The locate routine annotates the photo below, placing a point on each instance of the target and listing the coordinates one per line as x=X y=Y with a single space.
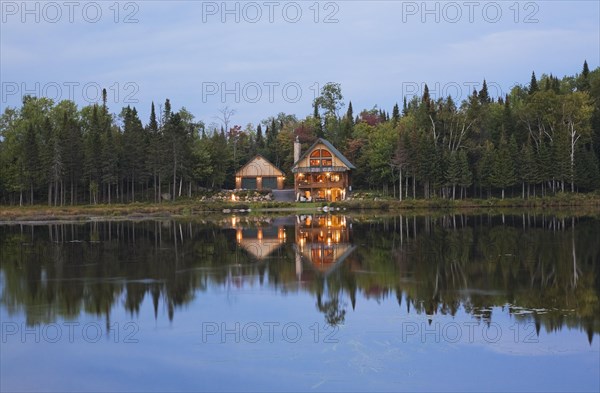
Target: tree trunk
x=154 y=184
x=159 y=190
x=174 y=175
x=400 y=183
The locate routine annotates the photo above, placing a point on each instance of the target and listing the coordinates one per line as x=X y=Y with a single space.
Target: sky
x=265 y=57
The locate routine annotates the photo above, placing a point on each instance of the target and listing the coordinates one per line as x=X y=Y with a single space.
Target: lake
x=312 y=302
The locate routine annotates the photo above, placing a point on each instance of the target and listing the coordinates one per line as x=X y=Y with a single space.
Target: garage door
x=269 y=183
x=249 y=183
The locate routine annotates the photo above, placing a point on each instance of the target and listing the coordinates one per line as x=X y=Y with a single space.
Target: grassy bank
x=555 y=201
x=190 y=208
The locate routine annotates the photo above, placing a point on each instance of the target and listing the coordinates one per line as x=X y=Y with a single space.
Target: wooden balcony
x=319 y=169
x=318 y=184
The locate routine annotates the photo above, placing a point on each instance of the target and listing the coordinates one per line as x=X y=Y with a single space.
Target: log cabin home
x=322 y=173
x=259 y=174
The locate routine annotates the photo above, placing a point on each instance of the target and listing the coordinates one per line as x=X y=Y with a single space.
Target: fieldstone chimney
x=296 y=149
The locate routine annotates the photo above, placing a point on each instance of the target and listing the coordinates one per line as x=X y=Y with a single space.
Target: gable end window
x=321 y=158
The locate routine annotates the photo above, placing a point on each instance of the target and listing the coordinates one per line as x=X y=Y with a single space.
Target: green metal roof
x=329 y=146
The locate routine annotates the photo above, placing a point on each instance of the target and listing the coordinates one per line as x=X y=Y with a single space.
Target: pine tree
x=545 y=165
x=350 y=113
x=556 y=85
x=561 y=159
x=587 y=173
x=466 y=177
x=157 y=156
x=73 y=157
x=583 y=82
x=453 y=173
x=503 y=174
x=110 y=156
x=134 y=147
x=533 y=85
x=485 y=167
x=174 y=132
x=527 y=167
x=260 y=140
x=426 y=99
x=484 y=96
x=92 y=154
x=220 y=159
x=395 y=114
x=31 y=160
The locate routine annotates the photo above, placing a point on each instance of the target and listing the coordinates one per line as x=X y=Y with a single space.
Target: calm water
x=302 y=303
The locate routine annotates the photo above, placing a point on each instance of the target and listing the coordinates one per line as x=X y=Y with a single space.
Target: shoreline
x=185 y=209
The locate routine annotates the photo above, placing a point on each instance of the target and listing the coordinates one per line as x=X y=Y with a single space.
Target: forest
x=539 y=139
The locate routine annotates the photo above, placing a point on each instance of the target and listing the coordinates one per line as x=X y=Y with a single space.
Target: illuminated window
x=321 y=157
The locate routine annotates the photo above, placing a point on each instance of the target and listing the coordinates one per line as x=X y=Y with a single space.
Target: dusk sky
x=262 y=58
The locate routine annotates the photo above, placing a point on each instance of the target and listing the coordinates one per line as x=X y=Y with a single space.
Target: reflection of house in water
x=322 y=241
x=259 y=241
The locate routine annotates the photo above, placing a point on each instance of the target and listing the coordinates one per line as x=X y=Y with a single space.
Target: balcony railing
x=320 y=184
x=319 y=169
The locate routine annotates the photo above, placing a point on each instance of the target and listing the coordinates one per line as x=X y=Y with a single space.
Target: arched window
x=321 y=158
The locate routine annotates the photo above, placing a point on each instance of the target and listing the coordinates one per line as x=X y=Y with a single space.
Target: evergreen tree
x=560 y=159
x=545 y=166
x=533 y=85
x=465 y=178
x=73 y=154
x=260 y=141
x=92 y=154
x=134 y=146
x=484 y=96
x=110 y=157
x=220 y=160
x=503 y=174
x=31 y=160
x=350 y=112
x=453 y=175
x=395 y=114
x=174 y=132
x=583 y=83
x=155 y=156
x=587 y=173
x=527 y=167
x=485 y=167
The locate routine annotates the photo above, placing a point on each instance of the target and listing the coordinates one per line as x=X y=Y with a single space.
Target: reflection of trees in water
x=545 y=268
x=435 y=265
